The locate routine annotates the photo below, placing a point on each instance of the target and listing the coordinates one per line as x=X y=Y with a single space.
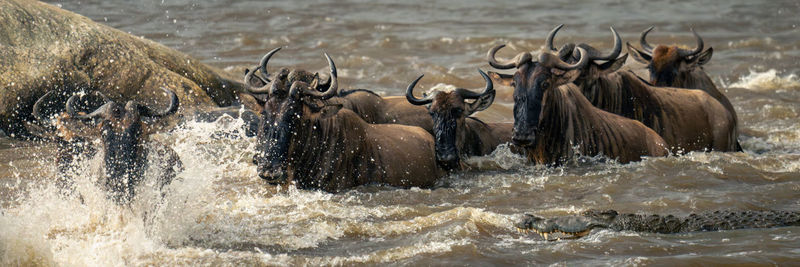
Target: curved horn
x=506 y=64
x=595 y=55
x=70 y=108
x=410 y=94
x=698 y=49
x=264 y=61
x=106 y=99
x=331 y=91
x=248 y=77
x=37 y=107
x=473 y=95
x=551 y=36
x=551 y=60
x=643 y=41
x=173 y=106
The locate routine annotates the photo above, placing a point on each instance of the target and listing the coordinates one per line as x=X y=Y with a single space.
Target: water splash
x=767 y=81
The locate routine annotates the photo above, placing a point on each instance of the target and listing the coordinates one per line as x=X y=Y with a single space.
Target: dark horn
x=698 y=49
x=551 y=36
x=248 y=76
x=594 y=55
x=643 y=41
x=106 y=99
x=173 y=106
x=552 y=60
x=70 y=108
x=264 y=61
x=497 y=64
x=410 y=94
x=37 y=107
x=487 y=89
x=331 y=91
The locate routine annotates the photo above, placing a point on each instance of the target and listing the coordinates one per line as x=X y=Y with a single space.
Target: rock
x=43 y=48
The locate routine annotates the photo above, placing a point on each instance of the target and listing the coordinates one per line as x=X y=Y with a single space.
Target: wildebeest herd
x=574 y=100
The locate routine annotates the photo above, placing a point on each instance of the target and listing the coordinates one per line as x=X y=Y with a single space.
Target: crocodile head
x=567 y=227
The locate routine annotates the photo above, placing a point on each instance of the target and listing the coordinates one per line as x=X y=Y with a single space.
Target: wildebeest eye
x=546 y=84
x=457 y=111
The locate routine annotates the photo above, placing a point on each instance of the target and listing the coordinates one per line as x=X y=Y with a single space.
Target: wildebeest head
x=669 y=65
x=262 y=84
x=53 y=125
x=294 y=97
x=449 y=111
x=531 y=80
x=121 y=130
x=611 y=61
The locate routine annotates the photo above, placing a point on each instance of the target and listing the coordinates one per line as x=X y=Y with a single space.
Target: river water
x=219 y=213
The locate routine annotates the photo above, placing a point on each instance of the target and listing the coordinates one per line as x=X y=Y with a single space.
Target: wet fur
x=688 y=120
x=456 y=133
x=568 y=119
x=344 y=151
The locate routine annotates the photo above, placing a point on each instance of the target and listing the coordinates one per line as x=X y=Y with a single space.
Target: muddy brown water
x=220 y=213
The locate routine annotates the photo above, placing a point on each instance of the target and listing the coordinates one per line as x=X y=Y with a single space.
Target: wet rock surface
x=44 y=48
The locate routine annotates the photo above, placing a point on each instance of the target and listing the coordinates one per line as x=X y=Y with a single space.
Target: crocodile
x=576 y=226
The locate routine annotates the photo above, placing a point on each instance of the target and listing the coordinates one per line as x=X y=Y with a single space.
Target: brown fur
x=473 y=137
x=344 y=151
x=569 y=120
x=664 y=57
x=483 y=138
x=379 y=110
x=689 y=72
x=688 y=120
x=396 y=109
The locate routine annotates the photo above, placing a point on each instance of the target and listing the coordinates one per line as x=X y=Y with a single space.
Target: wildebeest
x=676 y=67
x=125 y=146
x=688 y=120
x=317 y=144
x=552 y=118
x=367 y=104
x=57 y=128
x=455 y=132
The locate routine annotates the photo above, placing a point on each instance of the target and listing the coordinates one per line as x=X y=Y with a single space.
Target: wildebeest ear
x=329 y=111
x=483 y=102
x=613 y=65
x=639 y=55
x=504 y=79
x=251 y=102
x=702 y=58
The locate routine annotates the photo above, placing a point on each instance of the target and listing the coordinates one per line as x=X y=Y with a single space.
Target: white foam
x=767 y=81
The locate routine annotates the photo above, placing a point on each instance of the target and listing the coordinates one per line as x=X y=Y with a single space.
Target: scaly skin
x=575 y=226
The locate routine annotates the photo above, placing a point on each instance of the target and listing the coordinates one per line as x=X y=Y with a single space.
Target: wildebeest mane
x=331 y=146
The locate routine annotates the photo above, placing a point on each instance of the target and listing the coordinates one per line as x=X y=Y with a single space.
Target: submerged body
x=580 y=225
x=349 y=152
x=677 y=67
x=570 y=125
x=457 y=134
x=317 y=144
x=554 y=121
x=368 y=105
x=688 y=120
